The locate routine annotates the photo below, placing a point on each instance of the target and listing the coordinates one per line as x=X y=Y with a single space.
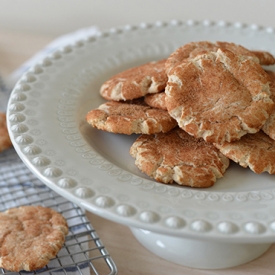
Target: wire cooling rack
x=83 y=252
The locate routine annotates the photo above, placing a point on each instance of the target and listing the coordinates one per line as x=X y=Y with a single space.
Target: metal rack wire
x=83 y=252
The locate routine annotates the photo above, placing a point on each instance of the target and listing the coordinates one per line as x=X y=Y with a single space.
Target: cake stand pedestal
x=201 y=254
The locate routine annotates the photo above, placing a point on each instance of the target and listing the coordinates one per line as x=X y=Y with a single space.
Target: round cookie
x=156 y=100
x=128 y=118
x=193 y=49
x=269 y=126
x=30 y=236
x=256 y=151
x=5 y=141
x=219 y=96
x=136 y=82
x=180 y=158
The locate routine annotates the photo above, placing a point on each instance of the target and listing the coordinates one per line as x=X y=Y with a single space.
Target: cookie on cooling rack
x=269 y=126
x=156 y=100
x=178 y=157
x=130 y=118
x=135 y=82
x=219 y=96
x=193 y=49
x=5 y=141
x=256 y=151
x=30 y=236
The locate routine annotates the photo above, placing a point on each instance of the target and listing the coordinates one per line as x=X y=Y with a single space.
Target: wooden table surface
x=128 y=254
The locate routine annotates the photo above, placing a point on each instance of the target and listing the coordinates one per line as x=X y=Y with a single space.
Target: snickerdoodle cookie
x=30 y=236
x=178 y=157
x=193 y=49
x=135 y=82
x=256 y=151
x=5 y=141
x=219 y=96
x=130 y=118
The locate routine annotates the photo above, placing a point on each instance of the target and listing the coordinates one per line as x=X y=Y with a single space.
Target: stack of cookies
x=205 y=104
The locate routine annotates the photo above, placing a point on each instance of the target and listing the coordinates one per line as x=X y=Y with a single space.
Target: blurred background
x=27 y=26
x=56 y=17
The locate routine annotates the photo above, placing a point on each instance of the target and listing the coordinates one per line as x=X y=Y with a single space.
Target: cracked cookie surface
x=130 y=118
x=135 y=82
x=178 y=157
x=219 y=96
x=256 y=151
x=30 y=236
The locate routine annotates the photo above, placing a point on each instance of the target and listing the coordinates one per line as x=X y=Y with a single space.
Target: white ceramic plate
x=46 y=120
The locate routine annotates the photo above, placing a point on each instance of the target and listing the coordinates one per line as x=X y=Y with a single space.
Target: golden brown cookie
x=219 y=96
x=135 y=82
x=256 y=151
x=193 y=49
x=265 y=58
x=129 y=118
x=156 y=100
x=30 y=236
x=178 y=157
x=269 y=126
x=5 y=141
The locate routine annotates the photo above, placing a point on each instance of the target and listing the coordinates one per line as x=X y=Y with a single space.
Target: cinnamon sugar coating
x=135 y=82
x=30 y=236
x=192 y=49
x=256 y=151
x=178 y=157
x=219 y=96
x=128 y=118
x=156 y=100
